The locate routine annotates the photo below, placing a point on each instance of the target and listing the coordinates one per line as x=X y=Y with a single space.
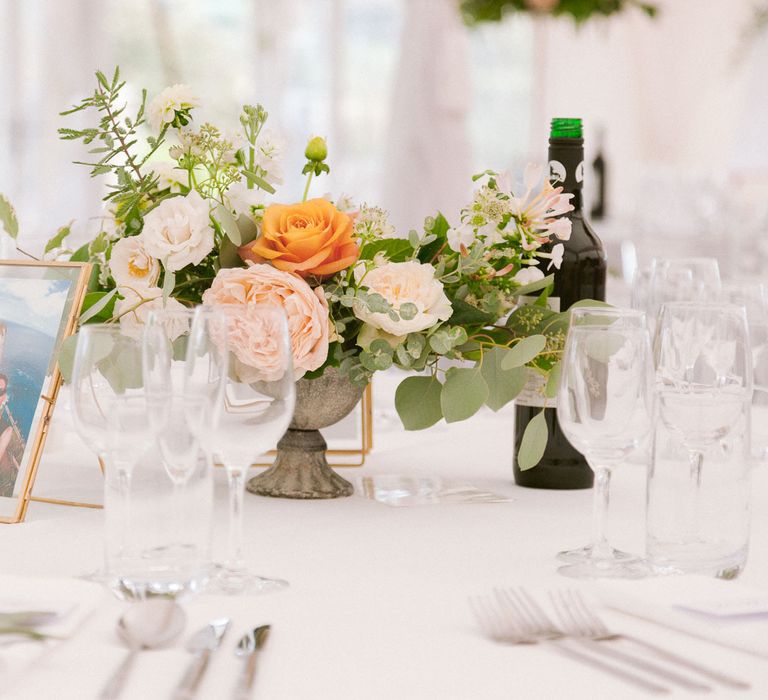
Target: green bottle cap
x=565 y=128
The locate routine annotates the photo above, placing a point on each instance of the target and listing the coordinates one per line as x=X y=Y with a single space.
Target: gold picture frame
x=40 y=303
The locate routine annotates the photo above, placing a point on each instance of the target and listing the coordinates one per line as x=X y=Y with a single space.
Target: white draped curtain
x=412 y=102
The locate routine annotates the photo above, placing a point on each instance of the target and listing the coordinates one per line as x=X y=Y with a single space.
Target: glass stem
x=600 y=547
x=236 y=481
x=695 y=461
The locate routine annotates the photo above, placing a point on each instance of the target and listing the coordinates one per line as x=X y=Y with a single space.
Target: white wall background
x=412 y=102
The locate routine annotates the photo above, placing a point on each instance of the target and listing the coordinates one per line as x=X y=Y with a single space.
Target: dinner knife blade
x=201 y=644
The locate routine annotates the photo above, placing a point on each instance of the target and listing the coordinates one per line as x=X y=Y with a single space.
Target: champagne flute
x=246 y=350
x=753 y=296
x=681 y=279
x=165 y=344
x=603 y=407
x=703 y=381
x=110 y=415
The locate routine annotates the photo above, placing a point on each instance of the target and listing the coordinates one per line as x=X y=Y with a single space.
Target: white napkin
x=71 y=599
x=725 y=612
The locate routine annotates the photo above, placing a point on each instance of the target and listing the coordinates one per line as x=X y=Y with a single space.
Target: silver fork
x=500 y=620
x=579 y=620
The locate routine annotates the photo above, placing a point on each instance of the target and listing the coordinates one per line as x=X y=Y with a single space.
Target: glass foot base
x=606 y=568
x=582 y=554
x=226 y=581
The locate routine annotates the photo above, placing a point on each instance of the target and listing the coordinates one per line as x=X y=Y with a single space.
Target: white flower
x=163 y=108
x=131 y=265
x=406 y=283
x=528 y=275
x=372 y=223
x=169 y=177
x=461 y=238
x=244 y=201
x=538 y=212
x=134 y=311
x=178 y=231
x=268 y=156
x=557 y=256
x=561 y=228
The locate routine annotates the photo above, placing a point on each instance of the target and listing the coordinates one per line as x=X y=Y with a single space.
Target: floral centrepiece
x=193 y=217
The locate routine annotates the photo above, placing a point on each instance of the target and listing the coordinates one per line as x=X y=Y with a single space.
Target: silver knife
x=201 y=644
x=248 y=647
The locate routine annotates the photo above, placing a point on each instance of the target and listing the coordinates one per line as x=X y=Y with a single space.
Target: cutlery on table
x=496 y=623
x=145 y=625
x=580 y=620
x=28 y=618
x=248 y=648
x=201 y=644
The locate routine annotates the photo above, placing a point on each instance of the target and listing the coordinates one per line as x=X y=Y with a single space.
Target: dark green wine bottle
x=581 y=276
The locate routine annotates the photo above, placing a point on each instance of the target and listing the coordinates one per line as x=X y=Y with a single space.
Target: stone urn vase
x=301 y=469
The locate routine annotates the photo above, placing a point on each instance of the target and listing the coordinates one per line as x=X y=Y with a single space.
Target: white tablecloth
x=377 y=607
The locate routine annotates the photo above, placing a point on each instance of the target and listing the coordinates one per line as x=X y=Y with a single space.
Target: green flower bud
x=317 y=149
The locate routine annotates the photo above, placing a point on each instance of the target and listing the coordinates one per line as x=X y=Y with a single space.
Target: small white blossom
x=461 y=238
x=169 y=177
x=557 y=256
x=243 y=200
x=372 y=223
x=528 y=275
x=163 y=108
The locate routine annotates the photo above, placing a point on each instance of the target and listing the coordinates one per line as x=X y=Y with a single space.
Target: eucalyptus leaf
x=553 y=380
x=534 y=442
x=57 y=240
x=228 y=224
x=523 y=351
x=417 y=401
x=228 y=255
x=467 y=314
x=169 y=282
x=394 y=249
x=97 y=302
x=260 y=182
x=535 y=286
x=248 y=230
x=503 y=384
x=8 y=218
x=464 y=392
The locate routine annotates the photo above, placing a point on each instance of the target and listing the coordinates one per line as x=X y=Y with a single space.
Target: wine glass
x=171 y=408
x=753 y=296
x=248 y=349
x=110 y=414
x=681 y=279
x=603 y=407
x=703 y=381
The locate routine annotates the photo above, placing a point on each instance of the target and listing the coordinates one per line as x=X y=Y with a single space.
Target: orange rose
x=309 y=238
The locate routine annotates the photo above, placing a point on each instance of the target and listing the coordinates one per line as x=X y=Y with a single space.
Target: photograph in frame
x=39 y=306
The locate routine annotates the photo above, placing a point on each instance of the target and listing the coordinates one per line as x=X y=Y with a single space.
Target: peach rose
x=307 y=313
x=309 y=238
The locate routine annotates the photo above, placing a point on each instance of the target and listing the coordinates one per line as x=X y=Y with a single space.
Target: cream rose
x=401 y=283
x=178 y=231
x=134 y=310
x=307 y=313
x=131 y=266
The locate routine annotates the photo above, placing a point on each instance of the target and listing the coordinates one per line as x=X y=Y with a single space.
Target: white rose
x=132 y=322
x=169 y=177
x=178 y=231
x=242 y=200
x=176 y=98
x=131 y=265
x=406 y=282
x=528 y=275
